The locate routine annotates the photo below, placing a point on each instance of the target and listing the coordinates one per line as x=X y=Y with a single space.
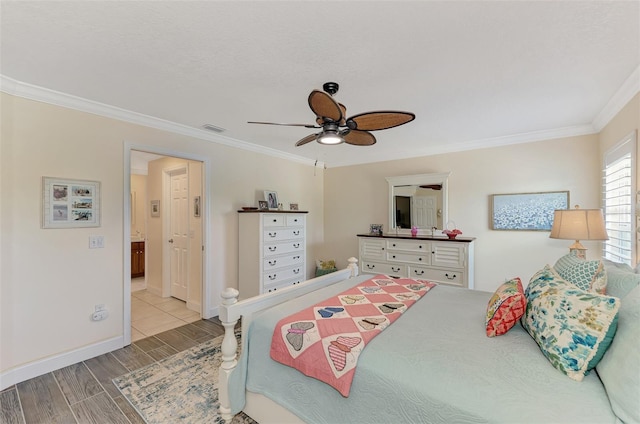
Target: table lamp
x=578 y=224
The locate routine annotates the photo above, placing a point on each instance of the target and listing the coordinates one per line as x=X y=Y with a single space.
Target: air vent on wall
x=213 y=128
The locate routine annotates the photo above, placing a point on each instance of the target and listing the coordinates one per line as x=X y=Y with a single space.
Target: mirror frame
x=418 y=179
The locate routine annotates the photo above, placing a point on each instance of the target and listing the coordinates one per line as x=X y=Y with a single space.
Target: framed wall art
x=68 y=203
x=155 y=208
x=526 y=211
x=196 y=206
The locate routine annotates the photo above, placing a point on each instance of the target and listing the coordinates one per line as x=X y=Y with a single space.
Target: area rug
x=182 y=388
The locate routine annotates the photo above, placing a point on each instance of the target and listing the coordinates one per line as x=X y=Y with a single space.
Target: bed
x=434 y=365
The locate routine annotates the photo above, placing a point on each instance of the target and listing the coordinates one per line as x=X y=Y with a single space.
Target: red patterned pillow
x=505 y=307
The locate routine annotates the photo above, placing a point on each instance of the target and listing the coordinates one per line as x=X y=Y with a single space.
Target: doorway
x=167 y=217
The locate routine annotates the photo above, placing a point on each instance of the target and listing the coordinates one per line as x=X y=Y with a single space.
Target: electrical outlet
x=99 y=315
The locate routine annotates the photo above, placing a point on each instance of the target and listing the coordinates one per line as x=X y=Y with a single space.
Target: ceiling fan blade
x=307 y=139
x=379 y=120
x=359 y=138
x=342 y=122
x=287 y=125
x=324 y=106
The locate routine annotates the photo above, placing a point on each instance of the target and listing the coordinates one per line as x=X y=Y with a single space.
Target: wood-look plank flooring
x=84 y=393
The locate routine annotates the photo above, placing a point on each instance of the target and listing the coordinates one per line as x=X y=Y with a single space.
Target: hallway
x=152 y=314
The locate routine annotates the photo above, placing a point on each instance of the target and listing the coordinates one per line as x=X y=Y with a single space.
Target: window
x=618 y=186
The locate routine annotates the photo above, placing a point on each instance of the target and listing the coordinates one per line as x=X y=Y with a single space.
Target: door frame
x=206 y=304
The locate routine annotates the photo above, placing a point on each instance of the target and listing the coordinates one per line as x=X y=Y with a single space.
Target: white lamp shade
x=578 y=224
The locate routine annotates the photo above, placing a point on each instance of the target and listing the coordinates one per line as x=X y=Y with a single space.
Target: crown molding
x=41 y=94
x=625 y=93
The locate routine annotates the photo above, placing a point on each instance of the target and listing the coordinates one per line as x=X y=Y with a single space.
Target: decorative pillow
x=619 y=368
x=620 y=278
x=505 y=307
x=572 y=327
x=587 y=275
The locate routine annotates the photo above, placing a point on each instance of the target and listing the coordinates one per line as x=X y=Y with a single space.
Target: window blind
x=618 y=190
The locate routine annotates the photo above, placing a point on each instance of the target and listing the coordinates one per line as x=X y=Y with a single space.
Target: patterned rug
x=179 y=389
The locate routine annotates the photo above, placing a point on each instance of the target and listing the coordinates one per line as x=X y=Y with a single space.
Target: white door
x=179 y=233
x=423 y=211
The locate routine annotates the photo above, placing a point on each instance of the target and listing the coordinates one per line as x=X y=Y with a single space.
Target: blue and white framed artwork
x=526 y=211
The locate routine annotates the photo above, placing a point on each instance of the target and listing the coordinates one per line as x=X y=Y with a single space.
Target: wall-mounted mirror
x=418 y=200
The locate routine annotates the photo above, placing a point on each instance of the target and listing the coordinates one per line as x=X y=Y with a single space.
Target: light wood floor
x=84 y=392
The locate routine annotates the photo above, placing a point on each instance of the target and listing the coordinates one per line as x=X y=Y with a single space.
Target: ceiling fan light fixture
x=330 y=137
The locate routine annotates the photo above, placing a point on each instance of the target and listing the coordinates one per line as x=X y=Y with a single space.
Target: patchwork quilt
x=324 y=341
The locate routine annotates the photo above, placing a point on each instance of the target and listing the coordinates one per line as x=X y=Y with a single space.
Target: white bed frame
x=259 y=407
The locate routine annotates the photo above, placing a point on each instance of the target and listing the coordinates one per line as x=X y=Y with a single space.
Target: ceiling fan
x=336 y=128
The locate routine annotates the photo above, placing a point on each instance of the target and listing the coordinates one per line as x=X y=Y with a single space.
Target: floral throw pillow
x=587 y=275
x=505 y=307
x=572 y=327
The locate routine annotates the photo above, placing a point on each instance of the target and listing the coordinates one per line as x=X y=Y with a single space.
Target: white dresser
x=272 y=250
x=435 y=259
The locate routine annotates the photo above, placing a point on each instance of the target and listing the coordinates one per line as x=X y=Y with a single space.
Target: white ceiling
x=475 y=73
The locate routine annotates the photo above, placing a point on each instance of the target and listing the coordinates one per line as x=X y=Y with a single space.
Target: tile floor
x=84 y=392
x=152 y=314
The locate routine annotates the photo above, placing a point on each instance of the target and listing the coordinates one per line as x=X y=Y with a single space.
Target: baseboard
x=37 y=368
x=211 y=312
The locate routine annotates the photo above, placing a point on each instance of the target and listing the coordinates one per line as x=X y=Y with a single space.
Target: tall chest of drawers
x=449 y=262
x=272 y=251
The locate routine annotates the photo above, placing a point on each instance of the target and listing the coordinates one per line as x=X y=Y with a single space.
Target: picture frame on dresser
x=263 y=205
x=272 y=199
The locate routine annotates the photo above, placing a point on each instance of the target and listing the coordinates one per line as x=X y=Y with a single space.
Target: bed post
x=353 y=266
x=229 y=350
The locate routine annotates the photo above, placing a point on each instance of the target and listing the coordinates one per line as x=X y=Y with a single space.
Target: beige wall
x=50 y=280
x=138 y=204
x=564 y=164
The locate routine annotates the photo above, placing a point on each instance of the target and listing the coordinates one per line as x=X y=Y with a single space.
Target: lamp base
x=577 y=249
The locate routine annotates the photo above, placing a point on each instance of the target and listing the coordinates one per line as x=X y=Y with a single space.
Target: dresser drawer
x=277 y=234
x=268 y=288
x=409 y=245
x=371 y=248
x=277 y=276
x=273 y=220
x=444 y=276
x=273 y=249
x=275 y=262
x=412 y=258
x=294 y=220
x=395 y=270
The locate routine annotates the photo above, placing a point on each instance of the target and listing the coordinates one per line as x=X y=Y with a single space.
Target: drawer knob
x=394 y=256
x=394 y=245
x=419 y=259
x=420 y=247
x=275 y=220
